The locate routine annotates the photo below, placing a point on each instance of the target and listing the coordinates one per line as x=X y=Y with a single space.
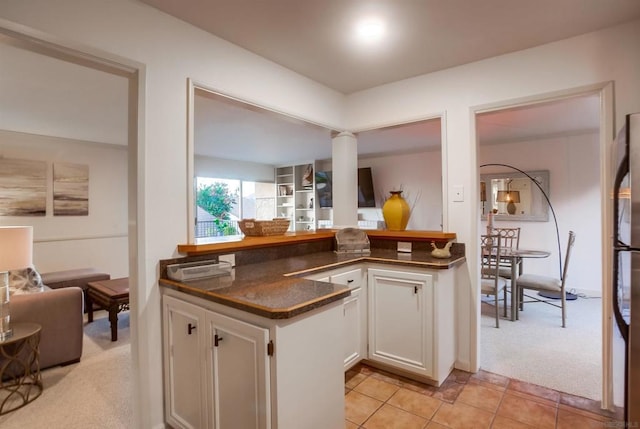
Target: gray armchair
x=60 y=313
x=59 y=310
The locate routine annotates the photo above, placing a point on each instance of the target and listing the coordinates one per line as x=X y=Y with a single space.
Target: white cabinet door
x=184 y=363
x=238 y=374
x=401 y=319
x=355 y=316
x=353 y=334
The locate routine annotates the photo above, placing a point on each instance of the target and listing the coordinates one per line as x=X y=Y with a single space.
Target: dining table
x=515 y=257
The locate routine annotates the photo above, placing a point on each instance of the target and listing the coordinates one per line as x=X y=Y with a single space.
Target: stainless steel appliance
x=626 y=259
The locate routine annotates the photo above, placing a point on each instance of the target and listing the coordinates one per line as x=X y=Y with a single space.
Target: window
x=220 y=203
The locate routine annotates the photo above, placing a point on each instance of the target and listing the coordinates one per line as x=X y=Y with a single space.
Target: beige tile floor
x=376 y=399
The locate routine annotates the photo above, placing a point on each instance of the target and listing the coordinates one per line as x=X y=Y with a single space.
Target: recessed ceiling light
x=370 y=29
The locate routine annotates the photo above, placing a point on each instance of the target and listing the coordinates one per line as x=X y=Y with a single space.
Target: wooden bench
x=113 y=296
x=74 y=278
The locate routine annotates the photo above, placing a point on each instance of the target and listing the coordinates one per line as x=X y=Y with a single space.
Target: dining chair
x=509 y=239
x=548 y=283
x=491 y=283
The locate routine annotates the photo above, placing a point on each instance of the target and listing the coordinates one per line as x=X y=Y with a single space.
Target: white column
x=345 y=180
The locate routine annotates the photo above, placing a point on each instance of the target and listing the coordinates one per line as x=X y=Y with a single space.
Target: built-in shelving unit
x=285 y=194
x=295 y=192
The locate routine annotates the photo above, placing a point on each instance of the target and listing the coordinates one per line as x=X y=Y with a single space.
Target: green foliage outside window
x=216 y=199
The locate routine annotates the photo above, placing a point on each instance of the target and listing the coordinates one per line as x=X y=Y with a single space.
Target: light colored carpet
x=94 y=393
x=538 y=350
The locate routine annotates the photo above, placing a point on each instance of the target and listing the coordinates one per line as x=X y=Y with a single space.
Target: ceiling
x=316 y=37
x=37 y=90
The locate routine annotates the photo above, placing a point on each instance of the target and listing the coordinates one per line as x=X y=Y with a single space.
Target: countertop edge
x=259 y=310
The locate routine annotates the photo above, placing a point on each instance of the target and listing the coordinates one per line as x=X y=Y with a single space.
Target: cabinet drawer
x=352 y=278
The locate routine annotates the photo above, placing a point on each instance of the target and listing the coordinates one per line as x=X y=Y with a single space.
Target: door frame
x=606 y=136
x=135 y=72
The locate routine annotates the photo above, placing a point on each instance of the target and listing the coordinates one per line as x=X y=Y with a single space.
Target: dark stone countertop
x=276 y=289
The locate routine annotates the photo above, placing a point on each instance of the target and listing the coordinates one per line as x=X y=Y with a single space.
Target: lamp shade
x=508 y=196
x=16 y=247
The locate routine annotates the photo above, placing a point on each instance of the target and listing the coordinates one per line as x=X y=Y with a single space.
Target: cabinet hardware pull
x=191 y=328
x=415 y=289
x=216 y=340
x=350 y=281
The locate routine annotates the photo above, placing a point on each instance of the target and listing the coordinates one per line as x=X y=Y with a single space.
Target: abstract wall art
x=70 y=189
x=23 y=187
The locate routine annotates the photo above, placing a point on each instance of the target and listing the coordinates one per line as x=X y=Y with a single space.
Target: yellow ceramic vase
x=396 y=212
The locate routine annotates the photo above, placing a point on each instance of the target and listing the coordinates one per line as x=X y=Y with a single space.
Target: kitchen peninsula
x=293 y=314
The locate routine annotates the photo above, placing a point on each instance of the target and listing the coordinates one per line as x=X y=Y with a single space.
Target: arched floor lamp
x=555 y=221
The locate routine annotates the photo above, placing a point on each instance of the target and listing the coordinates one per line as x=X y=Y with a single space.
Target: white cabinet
x=411 y=320
x=184 y=359
x=400 y=319
x=217 y=369
x=354 y=309
x=227 y=368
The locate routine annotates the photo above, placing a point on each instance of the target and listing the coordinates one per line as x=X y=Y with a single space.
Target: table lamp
x=16 y=249
x=509 y=197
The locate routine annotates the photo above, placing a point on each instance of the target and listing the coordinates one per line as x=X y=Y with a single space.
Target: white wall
x=65 y=242
x=218 y=168
x=419 y=175
x=573 y=165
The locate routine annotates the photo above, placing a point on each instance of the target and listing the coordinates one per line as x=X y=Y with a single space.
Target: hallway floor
x=377 y=399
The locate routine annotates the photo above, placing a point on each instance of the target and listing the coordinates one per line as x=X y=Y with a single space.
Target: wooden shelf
x=204 y=246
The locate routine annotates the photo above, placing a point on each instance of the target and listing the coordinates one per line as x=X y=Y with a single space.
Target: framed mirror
x=514 y=196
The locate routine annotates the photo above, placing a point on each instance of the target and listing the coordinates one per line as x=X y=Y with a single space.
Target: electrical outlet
x=404 y=246
x=230 y=258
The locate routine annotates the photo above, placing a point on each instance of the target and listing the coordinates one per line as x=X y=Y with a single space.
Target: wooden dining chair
x=491 y=283
x=548 y=283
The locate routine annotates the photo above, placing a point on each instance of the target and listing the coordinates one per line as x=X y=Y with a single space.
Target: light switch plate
x=458 y=193
x=404 y=246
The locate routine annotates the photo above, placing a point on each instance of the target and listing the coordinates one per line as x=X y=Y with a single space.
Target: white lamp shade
x=16 y=247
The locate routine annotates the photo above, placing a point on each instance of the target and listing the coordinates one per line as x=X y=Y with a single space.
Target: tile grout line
x=509 y=389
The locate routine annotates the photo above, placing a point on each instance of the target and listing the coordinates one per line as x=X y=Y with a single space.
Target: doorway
x=58 y=105
x=561 y=133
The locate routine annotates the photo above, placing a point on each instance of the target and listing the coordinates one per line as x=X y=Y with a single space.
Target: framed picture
x=23 y=187
x=70 y=189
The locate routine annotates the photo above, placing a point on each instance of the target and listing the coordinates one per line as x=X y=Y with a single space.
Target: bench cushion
x=73 y=278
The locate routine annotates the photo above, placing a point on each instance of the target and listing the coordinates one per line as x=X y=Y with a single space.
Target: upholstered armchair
x=59 y=310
